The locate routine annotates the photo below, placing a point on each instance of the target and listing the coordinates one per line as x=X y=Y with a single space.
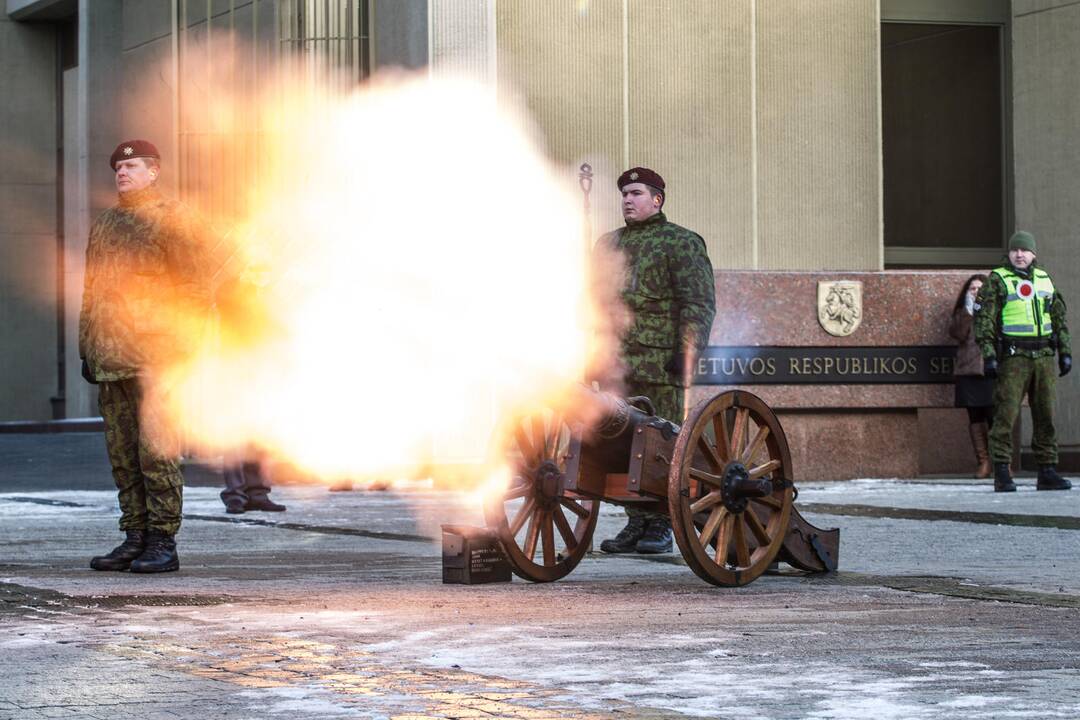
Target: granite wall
x=844 y=431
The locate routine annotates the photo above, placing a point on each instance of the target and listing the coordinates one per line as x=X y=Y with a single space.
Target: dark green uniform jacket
x=992 y=299
x=670 y=292
x=146 y=284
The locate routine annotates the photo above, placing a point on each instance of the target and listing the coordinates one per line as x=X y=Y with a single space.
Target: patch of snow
x=303 y=701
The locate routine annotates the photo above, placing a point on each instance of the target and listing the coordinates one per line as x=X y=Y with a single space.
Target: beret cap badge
x=129 y=150
x=633 y=176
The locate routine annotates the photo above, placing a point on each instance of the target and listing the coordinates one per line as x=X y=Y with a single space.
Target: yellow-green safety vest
x=1026 y=312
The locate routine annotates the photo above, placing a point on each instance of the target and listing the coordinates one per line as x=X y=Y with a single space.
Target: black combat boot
x=1050 y=480
x=657 y=537
x=121 y=556
x=626 y=540
x=1003 y=478
x=265 y=504
x=159 y=555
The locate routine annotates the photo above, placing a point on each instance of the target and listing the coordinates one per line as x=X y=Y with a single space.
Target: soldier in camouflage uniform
x=145 y=275
x=670 y=291
x=1019 y=327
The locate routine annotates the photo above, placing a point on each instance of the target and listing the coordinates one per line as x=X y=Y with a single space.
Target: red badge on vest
x=1025 y=289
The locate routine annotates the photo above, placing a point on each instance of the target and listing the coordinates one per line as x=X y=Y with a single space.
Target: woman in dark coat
x=973 y=391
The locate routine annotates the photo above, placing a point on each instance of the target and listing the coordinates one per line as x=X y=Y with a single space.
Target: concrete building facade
x=838 y=137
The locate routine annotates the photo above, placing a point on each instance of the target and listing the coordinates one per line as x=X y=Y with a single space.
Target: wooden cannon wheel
x=544 y=530
x=729 y=488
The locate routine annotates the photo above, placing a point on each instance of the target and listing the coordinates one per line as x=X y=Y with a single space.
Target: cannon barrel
x=610 y=422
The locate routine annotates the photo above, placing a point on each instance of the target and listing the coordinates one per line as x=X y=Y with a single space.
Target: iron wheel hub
x=549 y=483
x=735 y=475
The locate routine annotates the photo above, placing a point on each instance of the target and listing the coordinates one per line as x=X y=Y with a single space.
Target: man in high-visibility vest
x=1020 y=327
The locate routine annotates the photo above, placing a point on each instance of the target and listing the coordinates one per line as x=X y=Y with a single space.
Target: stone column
x=1046 y=105
x=92 y=127
x=28 y=252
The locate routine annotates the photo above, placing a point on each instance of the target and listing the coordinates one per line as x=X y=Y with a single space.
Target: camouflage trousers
x=144 y=453
x=668 y=401
x=1035 y=377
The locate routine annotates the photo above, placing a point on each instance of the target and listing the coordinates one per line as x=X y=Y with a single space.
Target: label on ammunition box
x=485 y=559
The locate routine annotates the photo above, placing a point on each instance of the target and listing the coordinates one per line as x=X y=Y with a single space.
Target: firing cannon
x=724 y=478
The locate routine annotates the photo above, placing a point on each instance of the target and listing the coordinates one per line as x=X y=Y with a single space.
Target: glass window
x=942 y=137
x=223 y=57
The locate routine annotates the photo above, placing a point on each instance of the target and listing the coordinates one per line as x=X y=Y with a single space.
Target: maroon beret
x=641 y=175
x=133 y=149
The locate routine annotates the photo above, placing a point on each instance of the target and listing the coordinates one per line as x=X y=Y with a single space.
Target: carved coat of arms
x=839 y=306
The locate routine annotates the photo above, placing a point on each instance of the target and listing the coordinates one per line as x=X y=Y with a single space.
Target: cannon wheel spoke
x=741 y=551
x=532 y=534
x=519 y=491
x=723 y=437
x=707 y=502
x=523 y=514
x=756 y=528
x=764 y=469
x=543 y=537
x=755 y=445
x=732 y=540
x=738 y=434
x=551 y=441
x=770 y=501
x=564 y=529
x=723 y=540
x=574 y=506
x=718 y=516
x=547 y=535
x=706 y=477
x=539 y=437
x=525 y=446
x=711 y=454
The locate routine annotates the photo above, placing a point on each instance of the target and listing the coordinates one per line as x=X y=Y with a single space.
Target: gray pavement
x=951 y=603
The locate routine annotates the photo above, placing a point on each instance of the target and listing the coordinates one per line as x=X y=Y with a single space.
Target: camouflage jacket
x=670 y=291
x=146 y=287
x=991 y=300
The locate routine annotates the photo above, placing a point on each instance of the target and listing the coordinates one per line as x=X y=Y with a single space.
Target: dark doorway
x=942 y=137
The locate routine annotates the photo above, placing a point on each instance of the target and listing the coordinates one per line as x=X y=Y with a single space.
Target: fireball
x=413 y=269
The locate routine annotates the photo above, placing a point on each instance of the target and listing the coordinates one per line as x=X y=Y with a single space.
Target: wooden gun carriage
x=724 y=478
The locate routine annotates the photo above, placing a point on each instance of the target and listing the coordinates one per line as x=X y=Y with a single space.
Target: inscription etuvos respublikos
x=824 y=365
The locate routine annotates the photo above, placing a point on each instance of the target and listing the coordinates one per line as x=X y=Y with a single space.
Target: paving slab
x=335 y=608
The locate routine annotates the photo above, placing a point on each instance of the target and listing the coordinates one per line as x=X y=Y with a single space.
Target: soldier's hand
x=86 y=374
x=990 y=368
x=1064 y=365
